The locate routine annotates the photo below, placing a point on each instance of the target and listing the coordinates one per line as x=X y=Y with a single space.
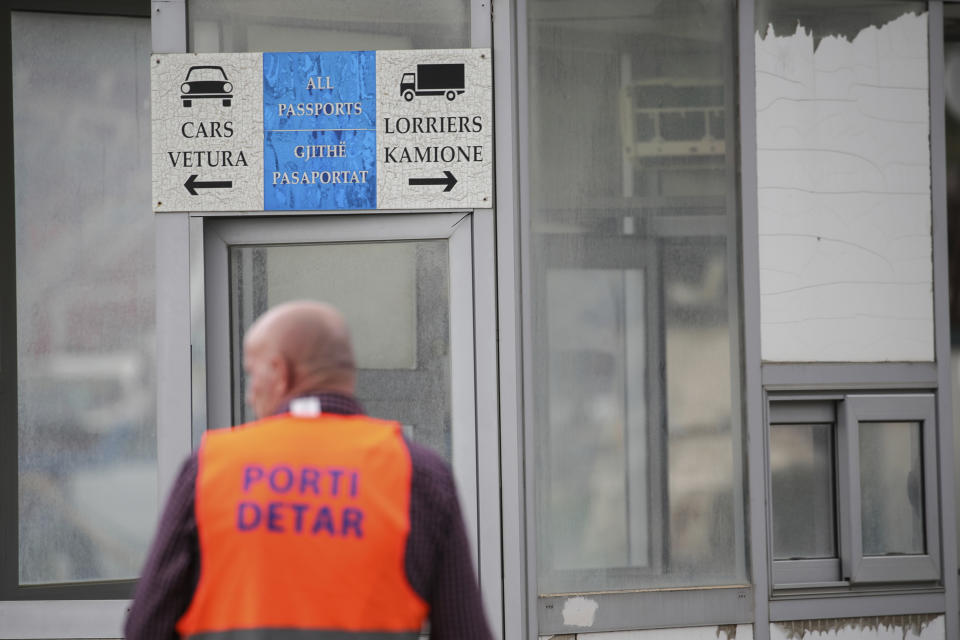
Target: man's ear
x=283 y=375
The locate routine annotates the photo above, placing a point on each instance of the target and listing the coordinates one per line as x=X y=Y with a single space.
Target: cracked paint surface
x=907 y=627
x=843 y=184
x=180 y=133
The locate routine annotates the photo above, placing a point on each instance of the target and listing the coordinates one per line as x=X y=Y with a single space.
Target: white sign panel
x=434 y=129
x=340 y=130
x=207 y=132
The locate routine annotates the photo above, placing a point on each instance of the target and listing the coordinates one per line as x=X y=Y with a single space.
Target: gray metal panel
x=941 y=314
x=650 y=609
x=62 y=619
x=173 y=345
x=753 y=398
x=899 y=375
x=198 y=333
x=856 y=606
x=311 y=214
x=488 y=432
x=463 y=410
x=168 y=26
x=340 y=228
x=809 y=410
x=217 y=339
x=523 y=240
x=480 y=27
x=517 y=559
x=800 y=573
x=845 y=475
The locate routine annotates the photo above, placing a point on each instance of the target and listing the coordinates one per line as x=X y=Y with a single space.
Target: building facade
x=692 y=365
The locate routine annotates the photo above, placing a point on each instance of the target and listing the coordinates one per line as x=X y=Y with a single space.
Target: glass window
x=633 y=257
x=853 y=490
x=403 y=356
x=801 y=470
x=891 y=488
x=327 y=25
x=85 y=297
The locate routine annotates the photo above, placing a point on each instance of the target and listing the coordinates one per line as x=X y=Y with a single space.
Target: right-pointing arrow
x=448 y=180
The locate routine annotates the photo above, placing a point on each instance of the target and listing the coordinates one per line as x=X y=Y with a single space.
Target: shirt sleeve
x=169 y=577
x=439 y=557
x=457 y=606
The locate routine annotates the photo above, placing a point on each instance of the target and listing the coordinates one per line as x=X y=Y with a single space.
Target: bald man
x=313 y=521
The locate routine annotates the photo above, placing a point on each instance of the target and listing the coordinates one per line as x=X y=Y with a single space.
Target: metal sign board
x=328 y=131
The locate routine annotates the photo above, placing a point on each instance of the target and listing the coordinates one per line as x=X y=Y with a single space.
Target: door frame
x=473 y=347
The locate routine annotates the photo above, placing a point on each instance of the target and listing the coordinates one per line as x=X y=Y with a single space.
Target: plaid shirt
x=438 y=557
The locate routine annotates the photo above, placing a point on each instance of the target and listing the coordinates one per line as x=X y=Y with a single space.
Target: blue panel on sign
x=319 y=120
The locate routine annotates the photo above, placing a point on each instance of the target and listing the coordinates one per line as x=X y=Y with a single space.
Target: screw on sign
x=206 y=82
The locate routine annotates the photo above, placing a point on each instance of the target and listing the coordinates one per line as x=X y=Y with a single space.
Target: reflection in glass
x=891 y=488
x=801 y=469
x=596 y=394
x=395 y=297
x=327 y=25
x=85 y=297
x=632 y=271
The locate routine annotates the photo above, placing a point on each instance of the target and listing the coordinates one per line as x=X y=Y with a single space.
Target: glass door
x=406 y=286
x=418 y=293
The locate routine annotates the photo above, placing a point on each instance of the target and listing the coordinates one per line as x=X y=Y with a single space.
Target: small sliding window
x=853 y=490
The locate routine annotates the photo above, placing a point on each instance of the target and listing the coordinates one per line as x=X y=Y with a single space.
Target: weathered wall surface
x=916 y=627
x=844 y=195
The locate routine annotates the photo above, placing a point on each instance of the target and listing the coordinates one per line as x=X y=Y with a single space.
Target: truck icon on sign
x=433 y=80
x=206 y=81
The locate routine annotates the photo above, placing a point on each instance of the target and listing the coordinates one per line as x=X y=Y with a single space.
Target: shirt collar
x=330 y=403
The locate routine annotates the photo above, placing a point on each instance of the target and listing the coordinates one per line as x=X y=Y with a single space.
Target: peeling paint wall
x=915 y=627
x=722 y=632
x=844 y=195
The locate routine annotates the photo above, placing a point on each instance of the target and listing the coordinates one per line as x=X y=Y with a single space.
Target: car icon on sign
x=206 y=81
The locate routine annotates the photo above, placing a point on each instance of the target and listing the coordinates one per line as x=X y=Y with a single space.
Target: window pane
x=85 y=296
x=891 y=488
x=403 y=357
x=801 y=469
x=327 y=25
x=843 y=181
x=632 y=221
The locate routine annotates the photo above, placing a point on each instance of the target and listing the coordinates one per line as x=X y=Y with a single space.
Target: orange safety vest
x=303 y=523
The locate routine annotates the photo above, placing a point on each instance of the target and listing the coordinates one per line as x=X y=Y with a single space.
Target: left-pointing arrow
x=192 y=184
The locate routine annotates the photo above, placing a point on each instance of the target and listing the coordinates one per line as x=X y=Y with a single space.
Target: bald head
x=297 y=348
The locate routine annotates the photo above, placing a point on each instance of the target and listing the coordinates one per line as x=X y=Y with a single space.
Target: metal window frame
x=855 y=410
x=813 y=571
x=811 y=604
x=79 y=610
x=850 y=568
x=220 y=234
x=10 y=590
x=667 y=607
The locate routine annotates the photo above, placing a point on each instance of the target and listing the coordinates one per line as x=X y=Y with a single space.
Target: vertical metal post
x=753 y=392
x=941 y=315
x=519 y=596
